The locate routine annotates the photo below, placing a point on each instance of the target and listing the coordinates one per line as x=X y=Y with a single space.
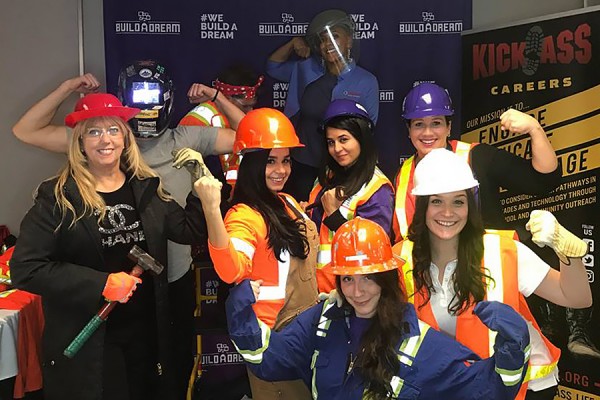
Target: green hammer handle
x=83 y=336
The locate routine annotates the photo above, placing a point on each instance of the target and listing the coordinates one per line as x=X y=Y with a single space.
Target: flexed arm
x=34 y=126
x=543 y=157
x=451 y=371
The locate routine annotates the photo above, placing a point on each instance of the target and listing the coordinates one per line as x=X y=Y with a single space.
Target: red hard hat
x=359 y=247
x=265 y=128
x=99 y=105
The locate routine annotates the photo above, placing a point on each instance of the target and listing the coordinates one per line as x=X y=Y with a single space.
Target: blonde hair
x=77 y=168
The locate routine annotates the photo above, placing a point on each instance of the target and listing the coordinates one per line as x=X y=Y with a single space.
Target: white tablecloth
x=9 y=323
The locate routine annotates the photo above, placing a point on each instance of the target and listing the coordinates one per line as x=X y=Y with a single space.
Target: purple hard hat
x=427 y=100
x=345 y=107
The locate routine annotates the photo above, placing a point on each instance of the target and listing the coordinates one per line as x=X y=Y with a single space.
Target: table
x=9 y=324
x=21 y=326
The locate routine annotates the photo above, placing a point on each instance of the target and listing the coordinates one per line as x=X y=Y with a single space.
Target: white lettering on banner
x=287 y=27
x=280 y=90
x=144 y=26
x=428 y=26
x=222 y=358
x=386 y=95
x=214 y=26
x=363 y=29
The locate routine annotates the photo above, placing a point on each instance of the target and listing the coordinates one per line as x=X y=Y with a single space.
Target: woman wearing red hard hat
x=266 y=234
x=369 y=343
x=73 y=248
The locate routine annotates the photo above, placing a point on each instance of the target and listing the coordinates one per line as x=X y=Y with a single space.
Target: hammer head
x=145 y=260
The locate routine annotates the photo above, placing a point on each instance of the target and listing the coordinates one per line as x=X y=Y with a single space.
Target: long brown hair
x=379 y=359
x=77 y=168
x=284 y=232
x=469 y=278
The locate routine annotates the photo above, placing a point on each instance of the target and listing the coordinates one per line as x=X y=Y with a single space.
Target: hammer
x=143 y=262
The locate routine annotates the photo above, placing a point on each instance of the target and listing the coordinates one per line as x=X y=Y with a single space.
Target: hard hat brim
x=125 y=113
x=393 y=263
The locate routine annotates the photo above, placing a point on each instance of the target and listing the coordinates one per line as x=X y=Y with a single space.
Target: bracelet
x=216 y=94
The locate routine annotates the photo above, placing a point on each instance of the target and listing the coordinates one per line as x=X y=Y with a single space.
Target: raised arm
x=543 y=157
x=34 y=126
x=199 y=93
x=454 y=372
x=568 y=287
x=297 y=45
x=272 y=356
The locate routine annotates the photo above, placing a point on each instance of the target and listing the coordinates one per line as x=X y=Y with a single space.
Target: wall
x=40 y=49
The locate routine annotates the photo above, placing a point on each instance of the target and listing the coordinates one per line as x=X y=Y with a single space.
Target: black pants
x=182 y=304
x=546 y=394
x=129 y=367
x=301 y=180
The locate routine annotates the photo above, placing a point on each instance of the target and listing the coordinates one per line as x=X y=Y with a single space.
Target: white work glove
x=192 y=161
x=333 y=297
x=546 y=231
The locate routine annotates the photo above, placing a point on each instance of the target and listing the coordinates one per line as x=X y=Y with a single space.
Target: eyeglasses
x=96 y=133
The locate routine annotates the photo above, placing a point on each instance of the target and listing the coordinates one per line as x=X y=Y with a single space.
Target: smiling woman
x=453 y=264
x=368 y=343
x=350 y=184
x=73 y=251
x=265 y=235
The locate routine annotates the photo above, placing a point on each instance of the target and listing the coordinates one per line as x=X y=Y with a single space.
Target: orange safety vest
x=325 y=280
x=405 y=202
x=500 y=262
x=207 y=114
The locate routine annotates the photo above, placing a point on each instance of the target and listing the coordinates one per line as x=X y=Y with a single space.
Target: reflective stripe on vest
x=326 y=280
x=497 y=250
x=348 y=211
x=207 y=114
x=405 y=177
x=402 y=181
x=462 y=149
x=283 y=266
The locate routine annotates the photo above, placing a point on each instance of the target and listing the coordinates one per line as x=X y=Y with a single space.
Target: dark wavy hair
x=378 y=361
x=469 y=279
x=284 y=232
x=350 y=179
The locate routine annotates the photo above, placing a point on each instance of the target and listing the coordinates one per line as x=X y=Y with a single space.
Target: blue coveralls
x=316 y=347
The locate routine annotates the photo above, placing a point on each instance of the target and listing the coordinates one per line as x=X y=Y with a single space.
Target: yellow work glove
x=120 y=286
x=333 y=297
x=546 y=231
x=192 y=161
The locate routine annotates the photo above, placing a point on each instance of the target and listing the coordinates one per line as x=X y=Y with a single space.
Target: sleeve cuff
x=335 y=220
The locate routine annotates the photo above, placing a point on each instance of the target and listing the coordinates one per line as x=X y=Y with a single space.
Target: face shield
x=330 y=36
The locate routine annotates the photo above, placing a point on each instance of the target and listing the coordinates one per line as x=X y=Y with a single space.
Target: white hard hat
x=442 y=171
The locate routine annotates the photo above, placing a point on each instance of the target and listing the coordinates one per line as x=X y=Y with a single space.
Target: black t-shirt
x=120 y=230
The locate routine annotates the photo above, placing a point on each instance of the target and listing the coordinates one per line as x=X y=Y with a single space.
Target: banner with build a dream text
x=550 y=69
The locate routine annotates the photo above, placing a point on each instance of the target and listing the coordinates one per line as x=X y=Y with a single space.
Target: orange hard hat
x=265 y=128
x=361 y=246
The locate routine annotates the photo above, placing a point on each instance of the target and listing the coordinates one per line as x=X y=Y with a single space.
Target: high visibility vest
x=500 y=262
x=326 y=281
x=405 y=204
x=207 y=114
